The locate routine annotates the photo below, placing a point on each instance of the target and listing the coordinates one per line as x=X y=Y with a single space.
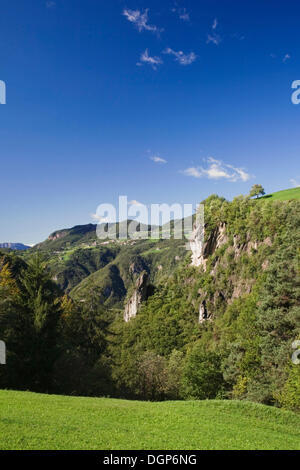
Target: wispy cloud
x=50 y=4
x=158 y=159
x=295 y=183
x=217 y=170
x=238 y=36
x=99 y=219
x=284 y=59
x=140 y=20
x=182 y=13
x=134 y=202
x=213 y=36
x=147 y=59
x=183 y=59
x=215 y=24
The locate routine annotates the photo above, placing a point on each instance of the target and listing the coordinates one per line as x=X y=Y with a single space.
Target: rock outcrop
x=218 y=237
x=142 y=291
x=203 y=314
x=57 y=235
x=137 y=266
x=195 y=244
x=201 y=251
x=235 y=246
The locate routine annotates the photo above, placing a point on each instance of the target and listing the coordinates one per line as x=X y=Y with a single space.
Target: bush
x=202 y=375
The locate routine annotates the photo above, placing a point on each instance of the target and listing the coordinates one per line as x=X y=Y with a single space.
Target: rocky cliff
x=201 y=251
x=214 y=262
x=140 y=294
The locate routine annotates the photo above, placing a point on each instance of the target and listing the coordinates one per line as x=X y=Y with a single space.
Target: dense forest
x=221 y=329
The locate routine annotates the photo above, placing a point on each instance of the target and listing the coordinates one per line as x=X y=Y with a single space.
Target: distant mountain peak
x=14 y=246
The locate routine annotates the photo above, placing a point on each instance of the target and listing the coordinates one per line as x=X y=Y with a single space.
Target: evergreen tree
x=279 y=316
x=31 y=326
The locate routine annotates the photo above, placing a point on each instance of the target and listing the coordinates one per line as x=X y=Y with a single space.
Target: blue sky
x=162 y=101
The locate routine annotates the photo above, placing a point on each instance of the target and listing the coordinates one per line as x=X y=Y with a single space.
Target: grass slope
x=33 y=421
x=285 y=195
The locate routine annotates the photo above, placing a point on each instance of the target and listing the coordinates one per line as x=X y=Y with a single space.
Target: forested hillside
x=220 y=327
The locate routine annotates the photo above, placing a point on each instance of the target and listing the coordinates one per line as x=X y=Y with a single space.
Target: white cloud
x=140 y=20
x=158 y=159
x=147 y=59
x=100 y=220
x=193 y=172
x=295 y=183
x=183 y=59
x=238 y=36
x=182 y=12
x=213 y=36
x=184 y=15
x=284 y=59
x=50 y=4
x=216 y=170
x=134 y=202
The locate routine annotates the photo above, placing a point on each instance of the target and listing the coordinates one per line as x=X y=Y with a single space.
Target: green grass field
x=33 y=421
x=285 y=195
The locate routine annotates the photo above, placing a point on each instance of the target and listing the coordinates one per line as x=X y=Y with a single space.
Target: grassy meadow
x=35 y=421
x=285 y=195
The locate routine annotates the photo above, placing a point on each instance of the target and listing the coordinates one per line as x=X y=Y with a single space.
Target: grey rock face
x=140 y=294
x=203 y=315
x=200 y=251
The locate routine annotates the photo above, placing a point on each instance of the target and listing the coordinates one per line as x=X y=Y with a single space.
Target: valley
x=150 y=320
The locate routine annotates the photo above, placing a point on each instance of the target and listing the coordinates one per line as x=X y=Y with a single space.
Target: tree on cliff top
x=257 y=190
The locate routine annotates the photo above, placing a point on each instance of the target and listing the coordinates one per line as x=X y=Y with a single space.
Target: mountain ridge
x=15 y=246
